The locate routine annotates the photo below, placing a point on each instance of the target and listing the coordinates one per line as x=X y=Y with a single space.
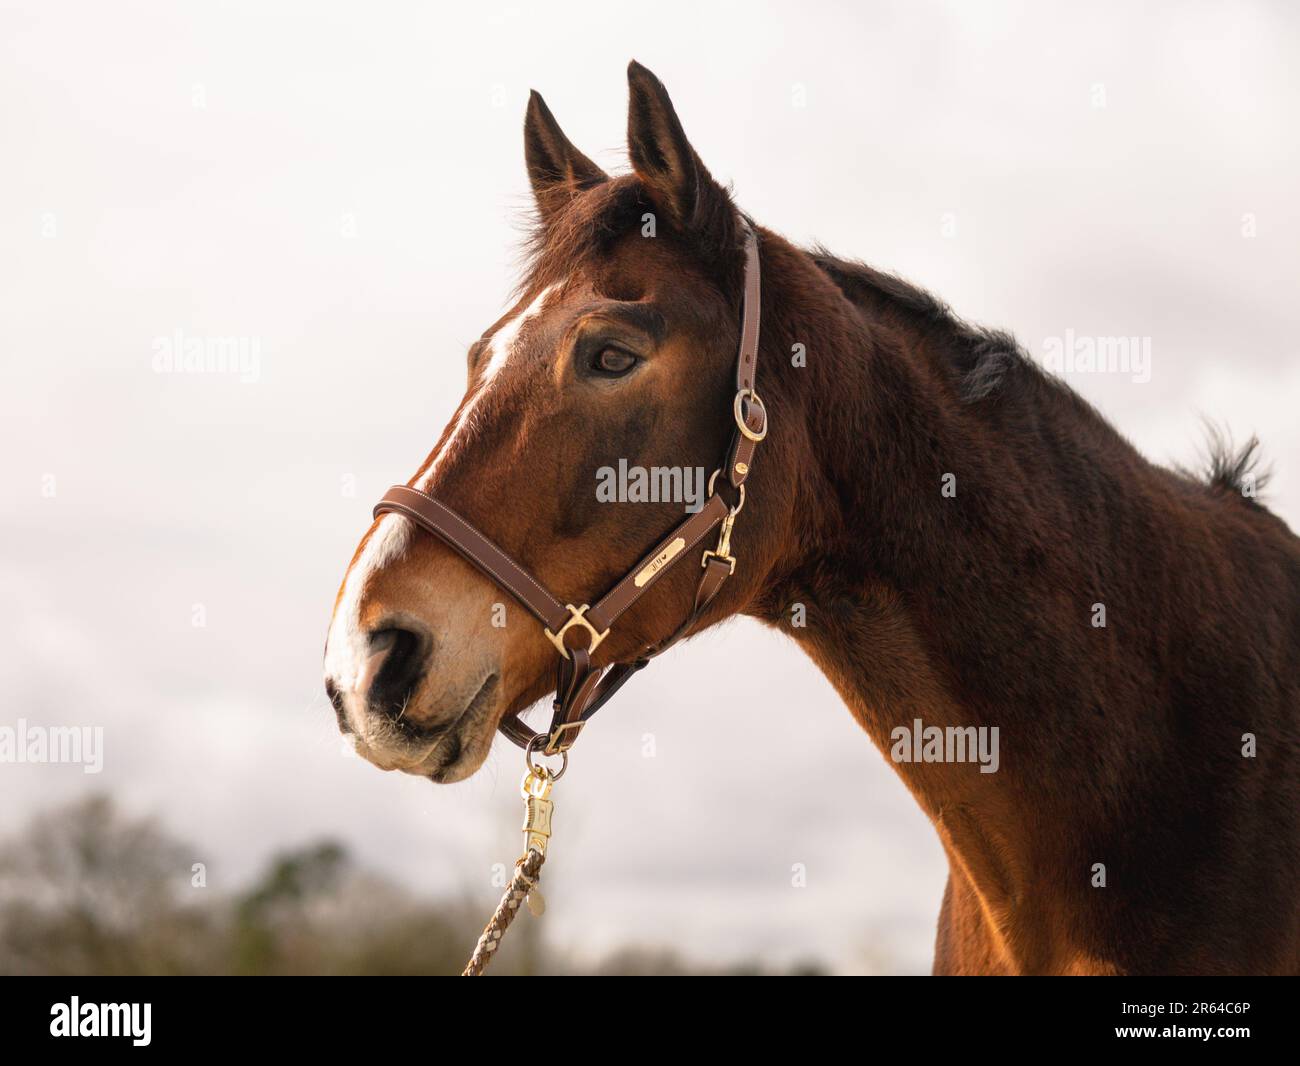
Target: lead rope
x=523 y=883
x=535 y=789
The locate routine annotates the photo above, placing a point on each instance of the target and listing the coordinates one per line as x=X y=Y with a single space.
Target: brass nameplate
x=659 y=562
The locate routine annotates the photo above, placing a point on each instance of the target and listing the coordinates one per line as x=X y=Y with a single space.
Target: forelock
x=584 y=233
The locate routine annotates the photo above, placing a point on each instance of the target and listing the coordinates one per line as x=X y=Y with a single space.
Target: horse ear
x=677 y=180
x=556 y=169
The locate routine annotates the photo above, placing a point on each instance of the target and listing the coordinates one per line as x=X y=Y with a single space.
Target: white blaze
x=345 y=650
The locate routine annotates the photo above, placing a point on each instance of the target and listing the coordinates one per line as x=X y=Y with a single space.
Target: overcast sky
x=341 y=188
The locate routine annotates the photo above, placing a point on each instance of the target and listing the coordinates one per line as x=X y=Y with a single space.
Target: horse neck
x=894 y=577
x=957 y=611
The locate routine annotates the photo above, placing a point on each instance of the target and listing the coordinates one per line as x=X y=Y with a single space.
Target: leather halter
x=581 y=689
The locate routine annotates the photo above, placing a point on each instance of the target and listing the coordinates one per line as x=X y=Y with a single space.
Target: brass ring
x=755 y=399
x=555 y=775
x=713 y=479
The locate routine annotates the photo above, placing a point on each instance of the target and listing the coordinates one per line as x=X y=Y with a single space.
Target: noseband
x=582 y=689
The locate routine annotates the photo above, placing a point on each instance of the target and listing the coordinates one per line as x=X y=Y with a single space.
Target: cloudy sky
x=341 y=188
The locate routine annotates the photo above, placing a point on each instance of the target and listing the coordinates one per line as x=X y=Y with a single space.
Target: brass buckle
x=577 y=616
x=752 y=397
x=553 y=743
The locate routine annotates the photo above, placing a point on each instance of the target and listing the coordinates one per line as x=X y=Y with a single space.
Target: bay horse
x=969 y=543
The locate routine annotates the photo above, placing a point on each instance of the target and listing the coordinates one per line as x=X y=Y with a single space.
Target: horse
x=969 y=544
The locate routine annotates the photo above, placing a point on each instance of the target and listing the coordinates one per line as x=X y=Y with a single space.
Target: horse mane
x=985 y=362
x=1227 y=468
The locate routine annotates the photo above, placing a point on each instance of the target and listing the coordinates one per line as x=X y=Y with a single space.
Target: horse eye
x=613 y=361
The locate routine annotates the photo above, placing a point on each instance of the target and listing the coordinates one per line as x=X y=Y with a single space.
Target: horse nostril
x=336 y=699
x=403 y=655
